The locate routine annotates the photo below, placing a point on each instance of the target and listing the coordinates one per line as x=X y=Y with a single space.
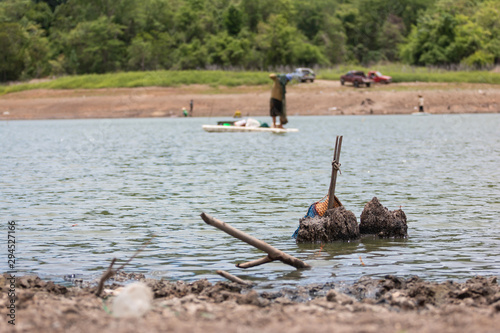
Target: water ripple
x=85 y=191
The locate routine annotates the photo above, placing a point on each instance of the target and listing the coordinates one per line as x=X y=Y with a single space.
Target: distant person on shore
x=420 y=103
x=185 y=112
x=191 y=108
x=278 y=98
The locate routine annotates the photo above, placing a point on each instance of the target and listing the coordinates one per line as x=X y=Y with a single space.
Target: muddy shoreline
x=319 y=98
x=391 y=304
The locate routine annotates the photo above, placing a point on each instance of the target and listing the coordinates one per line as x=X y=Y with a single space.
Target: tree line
x=60 y=37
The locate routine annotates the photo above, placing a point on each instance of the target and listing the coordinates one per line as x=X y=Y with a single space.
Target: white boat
x=222 y=128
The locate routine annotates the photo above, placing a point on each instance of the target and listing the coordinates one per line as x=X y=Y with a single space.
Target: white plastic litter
x=134 y=301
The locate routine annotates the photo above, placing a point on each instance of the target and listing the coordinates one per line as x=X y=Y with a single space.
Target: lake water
x=85 y=191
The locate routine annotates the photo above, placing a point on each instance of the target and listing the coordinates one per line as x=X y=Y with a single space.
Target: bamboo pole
x=335 y=168
x=233 y=278
x=273 y=253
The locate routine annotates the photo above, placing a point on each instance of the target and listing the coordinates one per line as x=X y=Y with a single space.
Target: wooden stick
x=273 y=253
x=254 y=263
x=110 y=272
x=337 y=157
x=233 y=278
x=335 y=168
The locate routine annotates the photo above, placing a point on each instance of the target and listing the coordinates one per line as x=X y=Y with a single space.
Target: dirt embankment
x=388 y=305
x=318 y=98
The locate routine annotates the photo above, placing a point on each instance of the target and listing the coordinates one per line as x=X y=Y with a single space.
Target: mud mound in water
x=377 y=219
x=337 y=224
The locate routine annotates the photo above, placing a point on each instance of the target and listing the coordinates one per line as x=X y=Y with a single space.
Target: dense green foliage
x=60 y=37
x=457 y=31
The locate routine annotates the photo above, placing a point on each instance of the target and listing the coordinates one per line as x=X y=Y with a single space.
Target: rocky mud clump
x=377 y=219
x=337 y=224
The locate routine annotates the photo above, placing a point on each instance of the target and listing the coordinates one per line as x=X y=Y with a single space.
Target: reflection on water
x=85 y=191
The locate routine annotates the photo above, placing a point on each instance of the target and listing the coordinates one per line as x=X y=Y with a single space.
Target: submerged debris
x=337 y=224
x=377 y=219
x=340 y=224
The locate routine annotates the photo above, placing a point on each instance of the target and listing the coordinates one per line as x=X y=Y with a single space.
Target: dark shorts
x=276 y=108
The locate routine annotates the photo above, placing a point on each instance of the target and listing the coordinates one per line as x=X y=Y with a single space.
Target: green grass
x=399 y=73
x=146 y=79
x=402 y=73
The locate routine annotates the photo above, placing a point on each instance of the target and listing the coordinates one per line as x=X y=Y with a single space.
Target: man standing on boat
x=278 y=100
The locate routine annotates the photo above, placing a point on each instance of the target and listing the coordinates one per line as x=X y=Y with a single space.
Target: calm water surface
x=85 y=191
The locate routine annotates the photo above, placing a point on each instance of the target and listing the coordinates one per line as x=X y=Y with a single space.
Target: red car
x=377 y=77
x=357 y=78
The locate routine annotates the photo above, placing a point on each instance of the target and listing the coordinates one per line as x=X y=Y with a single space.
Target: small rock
x=26 y=281
x=252 y=298
x=496 y=306
x=336 y=297
x=393 y=282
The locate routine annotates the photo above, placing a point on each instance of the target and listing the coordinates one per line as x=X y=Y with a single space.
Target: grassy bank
x=145 y=79
x=399 y=73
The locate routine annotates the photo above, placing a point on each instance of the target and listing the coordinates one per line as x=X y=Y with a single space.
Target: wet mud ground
x=392 y=304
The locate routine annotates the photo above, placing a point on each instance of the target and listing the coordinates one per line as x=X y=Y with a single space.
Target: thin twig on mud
x=110 y=272
x=234 y=278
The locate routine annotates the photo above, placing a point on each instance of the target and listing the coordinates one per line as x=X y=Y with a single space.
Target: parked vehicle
x=377 y=77
x=304 y=74
x=357 y=78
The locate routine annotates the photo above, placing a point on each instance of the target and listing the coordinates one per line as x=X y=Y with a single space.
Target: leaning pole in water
x=272 y=252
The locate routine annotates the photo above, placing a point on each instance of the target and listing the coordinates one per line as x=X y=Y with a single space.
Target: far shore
x=322 y=97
